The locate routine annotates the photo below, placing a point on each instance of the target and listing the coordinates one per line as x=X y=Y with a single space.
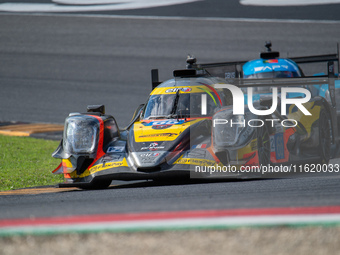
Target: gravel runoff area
x=272 y=240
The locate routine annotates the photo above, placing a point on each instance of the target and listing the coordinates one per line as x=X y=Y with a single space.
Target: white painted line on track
x=177 y=18
x=288 y=2
x=90 y=2
x=121 y=5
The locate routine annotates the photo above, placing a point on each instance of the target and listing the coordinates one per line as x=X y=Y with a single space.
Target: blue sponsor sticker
x=115 y=149
x=279 y=146
x=163 y=122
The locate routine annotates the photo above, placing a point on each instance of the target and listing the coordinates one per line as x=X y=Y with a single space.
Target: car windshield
x=275 y=74
x=177 y=105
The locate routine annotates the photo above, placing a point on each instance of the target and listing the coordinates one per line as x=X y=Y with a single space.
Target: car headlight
x=81 y=135
x=231 y=130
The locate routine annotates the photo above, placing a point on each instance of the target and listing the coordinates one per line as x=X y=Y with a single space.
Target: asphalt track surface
x=153 y=197
x=55 y=64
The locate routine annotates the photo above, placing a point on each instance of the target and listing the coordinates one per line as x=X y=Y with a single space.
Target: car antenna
x=268 y=45
x=191 y=62
x=269 y=54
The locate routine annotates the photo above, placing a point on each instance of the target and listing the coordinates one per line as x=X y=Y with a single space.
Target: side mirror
x=96 y=108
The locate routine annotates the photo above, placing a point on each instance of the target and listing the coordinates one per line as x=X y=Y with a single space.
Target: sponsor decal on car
x=159 y=135
x=152 y=147
x=169 y=90
x=148 y=155
x=279 y=146
x=197 y=162
x=116 y=149
x=187 y=89
x=146 y=131
x=108 y=165
x=163 y=123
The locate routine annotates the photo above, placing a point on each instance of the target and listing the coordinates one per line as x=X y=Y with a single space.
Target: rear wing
x=231 y=70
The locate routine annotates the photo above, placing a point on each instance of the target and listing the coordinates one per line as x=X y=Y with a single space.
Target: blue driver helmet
x=271 y=68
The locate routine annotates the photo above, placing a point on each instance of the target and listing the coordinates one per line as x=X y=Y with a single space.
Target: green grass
x=27 y=162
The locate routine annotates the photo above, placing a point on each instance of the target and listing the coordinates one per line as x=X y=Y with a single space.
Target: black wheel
x=324 y=137
x=263 y=145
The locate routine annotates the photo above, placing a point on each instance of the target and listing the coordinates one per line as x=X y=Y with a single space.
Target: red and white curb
x=207 y=219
